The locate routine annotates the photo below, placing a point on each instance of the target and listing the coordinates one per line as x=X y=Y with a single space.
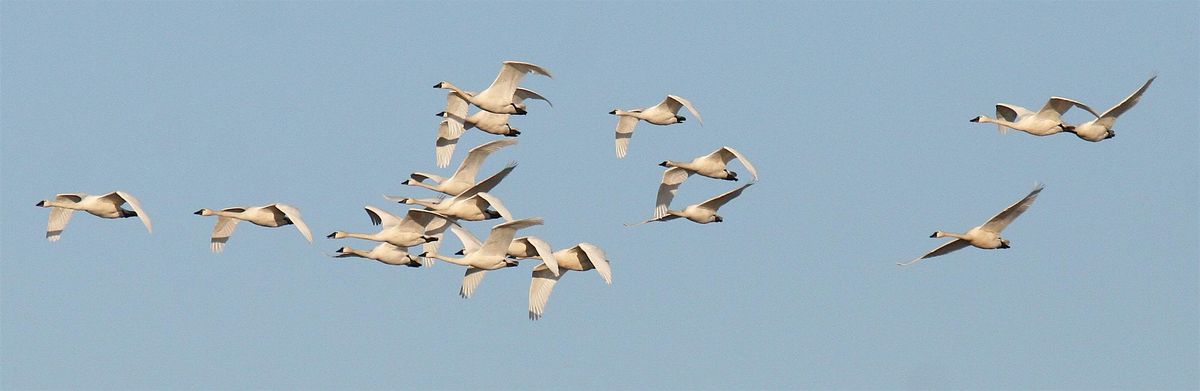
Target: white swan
x=986 y=236
x=703 y=213
x=521 y=248
x=405 y=232
x=471 y=205
x=385 y=253
x=582 y=257
x=1101 y=128
x=713 y=165
x=488 y=122
x=273 y=215
x=107 y=206
x=498 y=97
x=464 y=177
x=664 y=113
x=1045 y=122
x=491 y=256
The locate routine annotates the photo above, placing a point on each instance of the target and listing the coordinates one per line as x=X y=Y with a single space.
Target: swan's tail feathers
x=909 y=262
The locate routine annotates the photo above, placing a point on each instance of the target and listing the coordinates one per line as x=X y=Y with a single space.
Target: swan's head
x=343 y=250
x=978 y=119
x=1110 y=134
x=204 y=212
x=936 y=234
x=730 y=176
x=440 y=114
x=336 y=235
x=461 y=252
x=42 y=203
x=679 y=118
x=665 y=163
x=442 y=84
x=425 y=254
x=1004 y=243
x=491 y=214
x=407 y=182
x=614 y=112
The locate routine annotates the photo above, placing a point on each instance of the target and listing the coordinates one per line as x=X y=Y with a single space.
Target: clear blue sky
x=855 y=114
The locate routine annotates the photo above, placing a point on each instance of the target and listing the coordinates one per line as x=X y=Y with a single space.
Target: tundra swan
x=464 y=177
x=703 y=213
x=582 y=257
x=385 y=253
x=498 y=97
x=107 y=206
x=664 y=113
x=713 y=165
x=273 y=215
x=986 y=236
x=522 y=247
x=491 y=255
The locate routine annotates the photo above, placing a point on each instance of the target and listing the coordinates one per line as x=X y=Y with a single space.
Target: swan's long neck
x=57 y=204
x=340 y=235
x=940 y=234
x=422 y=184
x=424 y=203
x=351 y=252
x=465 y=95
x=986 y=119
x=456 y=261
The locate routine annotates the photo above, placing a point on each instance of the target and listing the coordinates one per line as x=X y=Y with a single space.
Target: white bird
x=491 y=256
x=1101 y=127
x=417 y=227
x=471 y=205
x=582 y=257
x=488 y=122
x=273 y=215
x=107 y=206
x=713 y=165
x=664 y=113
x=464 y=177
x=520 y=248
x=986 y=236
x=1045 y=122
x=498 y=97
x=703 y=213
x=385 y=253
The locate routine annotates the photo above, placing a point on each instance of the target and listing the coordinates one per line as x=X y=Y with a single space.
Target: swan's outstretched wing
x=947 y=248
x=470 y=242
x=1110 y=116
x=471 y=280
x=505 y=85
x=421 y=176
x=1076 y=104
x=671 y=180
x=456 y=110
x=625 y=126
x=1010 y=113
x=221 y=233
x=726 y=154
x=487 y=184
x=419 y=220
x=596 y=256
x=1055 y=107
x=447 y=140
x=59 y=217
x=380 y=216
x=539 y=290
x=667 y=217
x=1006 y=216
x=543 y=251
x=718 y=201
x=673 y=103
x=120 y=197
x=293 y=215
x=469 y=167
x=497 y=205
x=522 y=94
x=502 y=235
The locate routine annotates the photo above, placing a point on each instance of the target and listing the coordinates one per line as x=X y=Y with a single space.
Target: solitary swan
x=1045 y=122
x=107 y=206
x=1101 y=127
x=582 y=257
x=713 y=165
x=498 y=97
x=464 y=177
x=385 y=253
x=986 y=236
x=703 y=213
x=491 y=256
x=664 y=113
x=520 y=248
x=273 y=215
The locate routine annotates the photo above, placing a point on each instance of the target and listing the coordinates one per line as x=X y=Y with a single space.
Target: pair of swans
x=455 y=122
x=1048 y=120
x=713 y=165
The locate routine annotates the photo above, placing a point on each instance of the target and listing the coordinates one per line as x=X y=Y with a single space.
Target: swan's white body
x=664 y=113
x=1101 y=128
x=703 y=213
x=714 y=165
x=491 y=255
x=273 y=216
x=385 y=253
x=456 y=120
x=417 y=227
x=986 y=236
x=105 y=205
x=521 y=248
x=1045 y=122
x=582 y=257
x=471 y=205
x=464 y=177
x=498 y=97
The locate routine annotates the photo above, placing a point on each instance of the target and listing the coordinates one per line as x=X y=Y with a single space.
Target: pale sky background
x=855 y=114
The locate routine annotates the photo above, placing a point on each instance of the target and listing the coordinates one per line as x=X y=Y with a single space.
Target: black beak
x=461 y=252
x=43 y=203
x=933 y=235
x=664 y=164
x=199 y=212
x=440 y=114
x=429 y=239
x=614 y=112
x=331 y=235
x=438 y=85
x=976 y=119
x=424 y=254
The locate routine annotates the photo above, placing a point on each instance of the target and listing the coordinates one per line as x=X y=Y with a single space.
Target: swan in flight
x=464 y=177
x=491 y=255
x=273 y=215
x=664 y=113
x=498 y=97
x=107 y=206
x=405 y=232
x=1101 y=128
x=456 y=122
x=713 y=165
x=385 y=253
x=582 y=257
x=703 y=213
x=471 y=205
x=520 y=248
x=986 y=236
x=1045 y=122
